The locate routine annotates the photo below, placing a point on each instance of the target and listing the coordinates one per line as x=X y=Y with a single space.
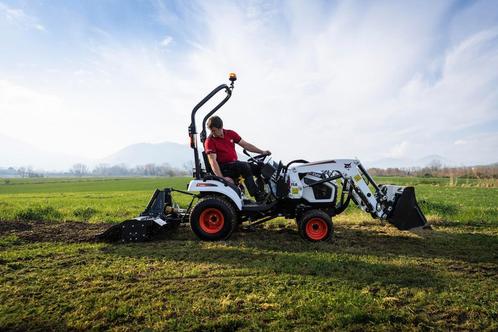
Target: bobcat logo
x=347 y=166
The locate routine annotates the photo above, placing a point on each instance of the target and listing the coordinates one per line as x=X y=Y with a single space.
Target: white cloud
x=25 y=103
x=17 y=17
x=39 y=27
x=477 y=149
x=166 y=41
x=351 y=84
x=314 y=83
x=398 y=150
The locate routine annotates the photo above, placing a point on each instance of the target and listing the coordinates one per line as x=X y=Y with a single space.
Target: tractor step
x=257 y=207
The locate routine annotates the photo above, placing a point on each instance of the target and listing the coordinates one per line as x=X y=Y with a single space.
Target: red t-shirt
x=224 y=147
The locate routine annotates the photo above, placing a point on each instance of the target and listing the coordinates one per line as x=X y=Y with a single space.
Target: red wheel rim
x=316 y=229
x=211 y=220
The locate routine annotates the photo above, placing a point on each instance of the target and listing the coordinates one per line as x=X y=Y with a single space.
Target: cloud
x=399 y=150
x=354 y=82
x=166 y=41
x=29 y=113
x=317 y=80
x=16 y=99
x=17 y=17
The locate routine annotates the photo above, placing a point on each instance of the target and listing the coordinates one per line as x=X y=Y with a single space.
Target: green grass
x=91 y=184
x=86 y=199
x=370 y=277
x=113 y=200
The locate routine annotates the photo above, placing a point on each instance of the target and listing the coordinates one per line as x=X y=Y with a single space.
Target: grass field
x=370 y=277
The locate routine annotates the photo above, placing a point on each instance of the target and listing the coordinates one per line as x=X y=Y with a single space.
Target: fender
x=215 y=186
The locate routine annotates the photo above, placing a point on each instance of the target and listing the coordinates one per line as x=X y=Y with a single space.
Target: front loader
x=309 y=192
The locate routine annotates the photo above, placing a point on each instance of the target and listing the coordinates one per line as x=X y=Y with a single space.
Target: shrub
x=85 y=213
x=39 y=213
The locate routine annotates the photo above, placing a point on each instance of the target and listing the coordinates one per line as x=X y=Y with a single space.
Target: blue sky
x=317 y=79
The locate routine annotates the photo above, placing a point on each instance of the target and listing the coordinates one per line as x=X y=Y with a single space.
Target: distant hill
x=16 y=153
x=174 y=154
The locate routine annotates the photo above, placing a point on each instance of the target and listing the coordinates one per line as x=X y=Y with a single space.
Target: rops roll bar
x=192 y=131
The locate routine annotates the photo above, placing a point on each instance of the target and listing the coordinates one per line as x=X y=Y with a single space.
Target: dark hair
x=215 y=121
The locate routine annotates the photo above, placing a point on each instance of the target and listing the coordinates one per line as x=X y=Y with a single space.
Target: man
x=220 y=149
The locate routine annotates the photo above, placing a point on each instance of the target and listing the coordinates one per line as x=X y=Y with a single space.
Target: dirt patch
x=45 y=231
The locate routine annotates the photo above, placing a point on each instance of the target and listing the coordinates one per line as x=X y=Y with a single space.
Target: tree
x=79 y=169
x=21 y=171
x=435 y=165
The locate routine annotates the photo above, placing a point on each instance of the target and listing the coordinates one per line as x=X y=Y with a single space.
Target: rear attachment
x=403 y=210
x=160 y=215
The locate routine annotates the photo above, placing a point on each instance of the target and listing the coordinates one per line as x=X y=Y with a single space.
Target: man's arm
x=251 y=148
x=216 y=167
x=214 y=164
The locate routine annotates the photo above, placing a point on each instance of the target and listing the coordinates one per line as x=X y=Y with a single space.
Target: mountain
x=174 y=154
x=434 y=158
x=16 y=153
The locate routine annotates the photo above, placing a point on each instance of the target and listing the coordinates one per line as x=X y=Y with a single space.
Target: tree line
x=435 y=169
x=100 y=170
x=470 y=172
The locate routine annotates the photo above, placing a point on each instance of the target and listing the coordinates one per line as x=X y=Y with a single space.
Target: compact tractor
x=309 y=192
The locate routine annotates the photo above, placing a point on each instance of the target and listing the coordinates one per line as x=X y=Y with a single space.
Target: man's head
x=215 y=124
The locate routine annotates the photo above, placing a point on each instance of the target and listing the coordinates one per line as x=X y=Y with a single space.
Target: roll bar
x=192 y=131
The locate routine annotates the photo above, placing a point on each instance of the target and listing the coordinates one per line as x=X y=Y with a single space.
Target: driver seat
x=209 y=173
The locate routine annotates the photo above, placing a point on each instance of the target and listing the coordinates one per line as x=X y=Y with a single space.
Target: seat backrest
x=207 y=165
x=209 y=170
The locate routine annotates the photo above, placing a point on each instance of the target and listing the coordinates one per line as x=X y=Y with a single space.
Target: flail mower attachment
x=405 y=213
x=160 y=215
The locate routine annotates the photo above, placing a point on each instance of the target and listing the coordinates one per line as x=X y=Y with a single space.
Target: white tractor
x=309 y=192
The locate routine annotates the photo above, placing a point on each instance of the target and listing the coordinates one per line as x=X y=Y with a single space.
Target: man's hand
x=229 y=179
x=251 y=148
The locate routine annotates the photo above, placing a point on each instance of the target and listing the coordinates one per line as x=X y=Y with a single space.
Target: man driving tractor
x=220 y=149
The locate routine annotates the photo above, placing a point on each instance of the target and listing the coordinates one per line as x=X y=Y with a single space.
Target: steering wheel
x=257 y=158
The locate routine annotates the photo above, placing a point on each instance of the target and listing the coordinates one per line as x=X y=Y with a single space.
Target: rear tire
x=315 y=225
x=213 y=219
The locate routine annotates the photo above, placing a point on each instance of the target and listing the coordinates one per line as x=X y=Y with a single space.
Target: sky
x=316 y=79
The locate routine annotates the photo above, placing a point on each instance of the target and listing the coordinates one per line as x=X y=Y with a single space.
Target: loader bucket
x=406 y=213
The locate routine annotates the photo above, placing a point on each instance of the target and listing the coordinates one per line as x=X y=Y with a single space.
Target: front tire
x=213 y=219
x=315 y=225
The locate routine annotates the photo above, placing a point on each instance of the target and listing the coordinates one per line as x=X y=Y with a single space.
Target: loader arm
x=396 y=204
